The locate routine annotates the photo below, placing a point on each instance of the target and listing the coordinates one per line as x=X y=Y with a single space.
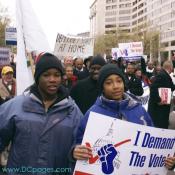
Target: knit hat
x=108 y=70
x=99 y=60
x=45 y=62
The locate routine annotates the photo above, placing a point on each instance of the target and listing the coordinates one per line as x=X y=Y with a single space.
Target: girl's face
x=113 y=87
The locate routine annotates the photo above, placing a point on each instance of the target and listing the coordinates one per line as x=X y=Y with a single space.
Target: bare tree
x=4 y=22
x=150 y=39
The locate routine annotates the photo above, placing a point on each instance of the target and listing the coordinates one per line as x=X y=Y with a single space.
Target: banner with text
x=73 y=46
x=128 y=51
x=137 y=150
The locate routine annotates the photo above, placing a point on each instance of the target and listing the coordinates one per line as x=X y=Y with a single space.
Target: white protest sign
x=124 y=148
x=4 y=56
x=132 y=49
x=73 y=46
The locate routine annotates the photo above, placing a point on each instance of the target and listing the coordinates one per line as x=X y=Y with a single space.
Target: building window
x=125 y=5
x=140 y=13
x=124 y=0
x=173 y=5
x=134 y=23
x=140 y=20
x=108 y=1
x=124 y=12
x=110 y=13
x=135 y=2
x=114 y=7
x=134 y=16
x=134 y=9
x=110 y=31
x=124 y=24
x=108 y=7
x=172 y=43
x=110 y=19
x=110 y=26
x=140 y=6
x=123 y=18
x=173 y=24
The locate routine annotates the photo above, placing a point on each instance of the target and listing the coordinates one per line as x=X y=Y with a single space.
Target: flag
x=30 y=39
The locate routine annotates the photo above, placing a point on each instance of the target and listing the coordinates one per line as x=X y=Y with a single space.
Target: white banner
x=30 y=38
x=73 y=46
x=132 y=49
x=116 y=53
x=124 y=148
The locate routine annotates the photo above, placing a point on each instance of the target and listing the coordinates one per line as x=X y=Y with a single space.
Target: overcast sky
x=67 y=16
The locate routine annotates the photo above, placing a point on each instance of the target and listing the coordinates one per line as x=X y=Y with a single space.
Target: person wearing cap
x=7 y=84
x=113 y=102
x=42 y=122
x=86 y=91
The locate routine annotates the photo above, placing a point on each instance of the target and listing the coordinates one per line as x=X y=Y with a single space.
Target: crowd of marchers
x=44 y=127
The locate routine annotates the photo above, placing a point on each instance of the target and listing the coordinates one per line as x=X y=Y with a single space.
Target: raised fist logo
x=107 y=154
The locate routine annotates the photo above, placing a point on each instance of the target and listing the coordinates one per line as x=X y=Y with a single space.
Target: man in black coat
x=133 y=84
x=158 y=109
x=80 y=71
x=86 y=91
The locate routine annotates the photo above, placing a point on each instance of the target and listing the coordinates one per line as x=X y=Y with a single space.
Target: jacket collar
x=34 y=96
x=127 y=102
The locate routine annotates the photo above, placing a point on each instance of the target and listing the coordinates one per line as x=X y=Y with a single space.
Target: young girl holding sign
x=113 y=102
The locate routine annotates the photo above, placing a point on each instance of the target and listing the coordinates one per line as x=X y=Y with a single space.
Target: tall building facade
x=161 y=15
x=108 y=16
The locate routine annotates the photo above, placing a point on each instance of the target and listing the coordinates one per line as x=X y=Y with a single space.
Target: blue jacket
x=127 y=109
x=40 y=139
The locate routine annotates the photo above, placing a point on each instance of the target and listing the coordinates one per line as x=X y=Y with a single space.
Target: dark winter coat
x=81 y=74
x=85 y=93
x=160 y=113
x=134 y=85
x=40 y=139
